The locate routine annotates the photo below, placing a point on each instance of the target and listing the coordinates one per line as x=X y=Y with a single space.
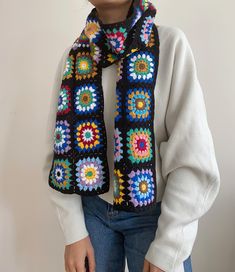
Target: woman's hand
x=75 y=255
x=148 y=267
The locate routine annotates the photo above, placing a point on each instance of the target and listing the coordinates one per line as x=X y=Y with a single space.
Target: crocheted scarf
x=80 y=163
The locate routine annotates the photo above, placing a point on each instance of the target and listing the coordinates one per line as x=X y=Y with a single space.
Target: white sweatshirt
x=188 y=178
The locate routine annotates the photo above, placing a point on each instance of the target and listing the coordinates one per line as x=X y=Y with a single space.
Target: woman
x=130 y=87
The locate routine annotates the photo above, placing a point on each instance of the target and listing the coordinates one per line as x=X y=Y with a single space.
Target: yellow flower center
x=143 y=186
x=90 y=173
x=83 y=65
x=140 y=104
x=85 y=98
x=141 y=66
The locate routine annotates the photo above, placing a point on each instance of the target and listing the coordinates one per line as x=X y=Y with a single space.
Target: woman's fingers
x=80 y=267
x=75 y=254
x=70 y=268
x=75 y=266
x=146 y=266
x=91 y=259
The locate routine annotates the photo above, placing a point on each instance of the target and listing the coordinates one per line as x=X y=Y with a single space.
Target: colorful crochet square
x=62 y=143
x=90 y=175
x=69 y=66
x=86 y=99
x=138 y=104
x=140 y=67
x=61 y=174
x=85 y=66
x=139 y=145
x=118 y=105
x=116 y=38
x=146 y=29
x=141 y=187
x=118 y=186
x=92 y=30
x=118 y=152
x=64 y=101
x=87 y=135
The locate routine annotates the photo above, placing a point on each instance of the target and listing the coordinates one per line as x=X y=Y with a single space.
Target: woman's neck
x=114 y=13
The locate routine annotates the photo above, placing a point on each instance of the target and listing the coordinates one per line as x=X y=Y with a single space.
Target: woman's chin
x=108 y=3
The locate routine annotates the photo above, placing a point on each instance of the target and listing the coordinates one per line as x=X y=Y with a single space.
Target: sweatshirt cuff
x=73 y=229
x=169 y=252
x=70 y=215
x=162 y=260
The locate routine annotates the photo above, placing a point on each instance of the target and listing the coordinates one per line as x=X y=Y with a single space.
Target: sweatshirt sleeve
x=189 y=164
x=68 y=207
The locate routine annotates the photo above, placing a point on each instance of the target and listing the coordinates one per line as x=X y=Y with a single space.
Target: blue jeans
x=118 y=234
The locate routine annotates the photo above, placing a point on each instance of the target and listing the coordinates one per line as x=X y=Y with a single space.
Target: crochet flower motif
x=138 y=104
x=139 y=145
x=118 y=187
x=92 y=30
x=64 y=101
x=68 y=69
x=61 y=174
x=85 y=66
x=95 y=52
x=116 y=38
x=86 y=99
x=146 y=29
x=118 y=152
x=118 y=105
x=89 y=173
x=141 y=67
x=87 y=135
x=62 y=137
x=141 y=187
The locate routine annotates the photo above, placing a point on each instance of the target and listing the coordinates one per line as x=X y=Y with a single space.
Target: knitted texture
x=80 y=163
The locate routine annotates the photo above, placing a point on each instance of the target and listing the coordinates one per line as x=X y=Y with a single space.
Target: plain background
x=34 y=34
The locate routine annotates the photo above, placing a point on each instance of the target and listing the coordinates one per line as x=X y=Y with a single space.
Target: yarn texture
x=80 y=162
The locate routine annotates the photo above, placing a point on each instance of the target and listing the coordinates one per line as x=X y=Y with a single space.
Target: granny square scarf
x=80 y=163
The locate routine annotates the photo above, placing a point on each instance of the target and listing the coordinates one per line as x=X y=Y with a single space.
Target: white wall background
x=34 y=34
